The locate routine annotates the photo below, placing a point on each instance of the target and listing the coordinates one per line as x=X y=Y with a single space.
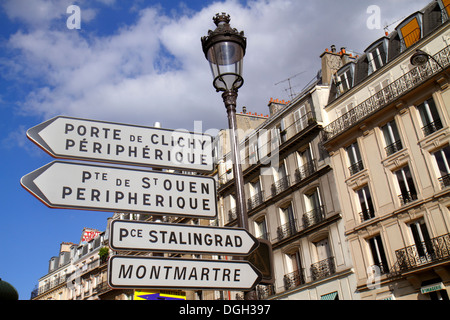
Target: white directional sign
x=154 y=272
x=72 y=138
x=143 y=236
x=91 y=187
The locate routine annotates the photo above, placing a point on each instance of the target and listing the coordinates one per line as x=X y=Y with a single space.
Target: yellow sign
x=159 y=295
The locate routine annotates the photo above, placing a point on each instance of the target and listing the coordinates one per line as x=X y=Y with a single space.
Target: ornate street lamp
x=224 y=48
x=420 y=58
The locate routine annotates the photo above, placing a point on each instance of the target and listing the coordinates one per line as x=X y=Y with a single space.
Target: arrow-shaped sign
x=79 y=186
x=154 y=272
x=81 y=139
x=147 y=236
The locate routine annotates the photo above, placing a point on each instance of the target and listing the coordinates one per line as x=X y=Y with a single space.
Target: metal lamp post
x=420 y=58
x=224 y=48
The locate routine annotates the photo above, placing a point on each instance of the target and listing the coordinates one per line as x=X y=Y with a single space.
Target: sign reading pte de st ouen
x=162 y=273
x=183 y=238
x=92 y=140
x=69 y=185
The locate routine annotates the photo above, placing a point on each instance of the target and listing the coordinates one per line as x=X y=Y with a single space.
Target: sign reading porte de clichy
x=155 y=272
x=147 y=236
x=70 y=185
x=81 y=139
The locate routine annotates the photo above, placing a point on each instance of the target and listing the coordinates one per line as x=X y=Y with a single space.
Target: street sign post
x=92 y=140
x=146 y=236
x=162 y=273
x=71 y=185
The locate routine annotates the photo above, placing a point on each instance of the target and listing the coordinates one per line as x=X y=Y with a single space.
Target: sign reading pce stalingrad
x=72 y=138
x=91 y=187
x=147 y=236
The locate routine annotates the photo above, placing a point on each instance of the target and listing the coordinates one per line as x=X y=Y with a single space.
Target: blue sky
x=139 y=62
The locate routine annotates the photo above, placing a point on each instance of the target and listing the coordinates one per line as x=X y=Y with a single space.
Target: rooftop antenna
x=291 y=94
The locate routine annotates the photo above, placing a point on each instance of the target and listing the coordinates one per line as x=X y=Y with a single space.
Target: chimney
x=331 y=62
x=244 y=109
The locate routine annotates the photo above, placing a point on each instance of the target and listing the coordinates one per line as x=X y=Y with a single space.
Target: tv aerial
x=288 y=80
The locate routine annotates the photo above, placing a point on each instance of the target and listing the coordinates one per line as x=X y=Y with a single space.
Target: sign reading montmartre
x=146 y=236
x=155 y=272
x=93 y=187
x=73 y=138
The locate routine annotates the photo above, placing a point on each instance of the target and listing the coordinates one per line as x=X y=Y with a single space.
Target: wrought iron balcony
x=356 y=167
x=305 y=171
x=265 y=291
x=293 y=279
x=287 y=230
x=280 y=185
x=394 y=147
x=387 y=95
x=366 y=215
x=313 y=217
x=323 y=269
x=445 y=180
x=432 y=127
x=232 y=214
x=435 y=249
x=407 y=197
x=255 y=200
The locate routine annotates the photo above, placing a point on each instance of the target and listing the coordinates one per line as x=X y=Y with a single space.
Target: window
x=314 y=210
x=391 y=138
x=253 y=152
x=305 y=164
x=365 y=203
x=287 y=220
x=429 y=115
x=300 y=118
x=354 y=158
x=442 y=158
x=376 y=58
x=256 y=196
x=421 y=238
x=294 y=276
x=261 y=229
x=410 y=32
x=378 y=253
x=324 y=266
x=406 y=185
x=345 y=80
x=280 y=178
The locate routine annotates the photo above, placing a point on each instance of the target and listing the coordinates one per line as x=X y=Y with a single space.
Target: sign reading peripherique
x=73 y=138
x=163 y=273
x=147 y=236
x=71 y=185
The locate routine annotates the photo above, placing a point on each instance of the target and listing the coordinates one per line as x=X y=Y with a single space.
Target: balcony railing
x=356 y=167
x=265 y=291
x=387 y=95
x=432 y=127
x=255 y=200
x=287 y=230
x=232 y=214
x=280 y=185
x=305 y=171
x=313 y=217
x=445 y=181
x=435 y=249
x=293 y=279
x=394 y=147
x=366 y=215
x=323 y=269
x=407 y=197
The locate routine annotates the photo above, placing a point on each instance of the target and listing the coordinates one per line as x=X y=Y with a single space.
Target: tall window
x=305 y=164
x=421 y=238
x=442 y=158
x=354 y=158
x=261 y=228
x=300 y=118
x=288 y=225
x=378 y=253
x=391 y=138
x=365 y=203
x=345 y=80
x=429 y=115
x=376 y=58
x=406 y=185
x=294 y=276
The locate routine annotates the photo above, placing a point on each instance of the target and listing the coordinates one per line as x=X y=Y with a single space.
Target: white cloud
x=155 y=70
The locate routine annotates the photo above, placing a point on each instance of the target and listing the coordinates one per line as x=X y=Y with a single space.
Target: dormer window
x=344 y=78
x=410 y=30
